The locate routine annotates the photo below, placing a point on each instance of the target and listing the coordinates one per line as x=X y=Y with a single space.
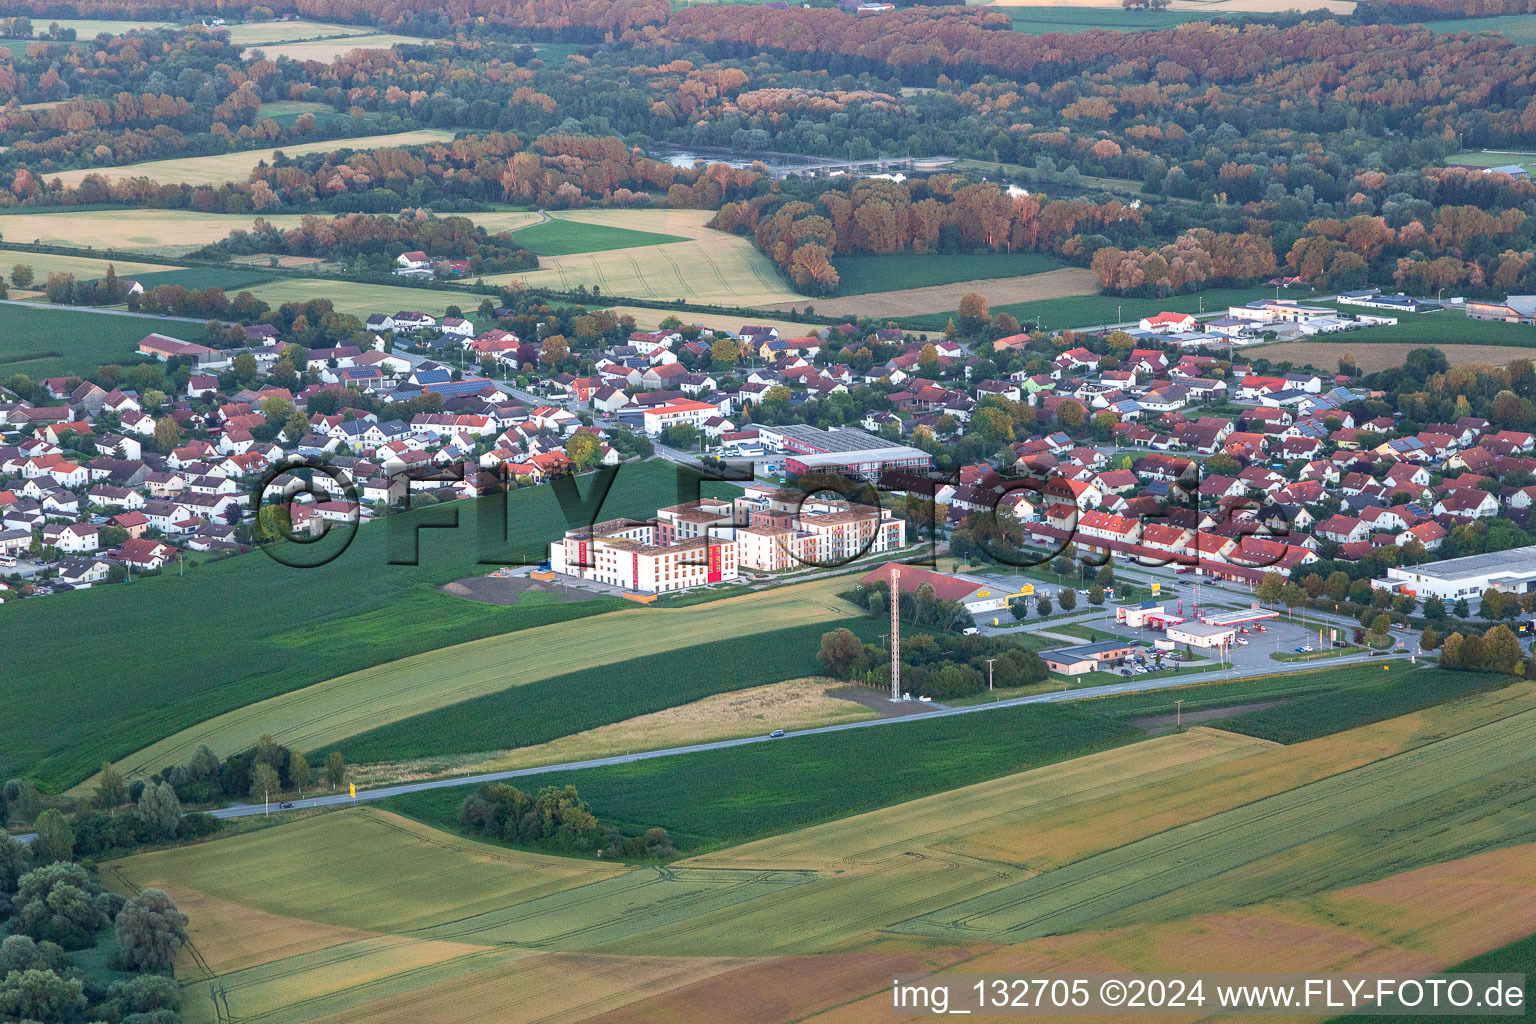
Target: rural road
x=108 y=312
x=1083 y=693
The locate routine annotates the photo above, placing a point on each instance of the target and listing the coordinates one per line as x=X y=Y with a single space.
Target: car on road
x=776 y=734
x=1339 y=643
x=285 y=806
x=1242 y=641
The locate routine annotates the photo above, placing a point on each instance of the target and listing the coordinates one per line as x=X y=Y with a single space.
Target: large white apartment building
x=709 y=541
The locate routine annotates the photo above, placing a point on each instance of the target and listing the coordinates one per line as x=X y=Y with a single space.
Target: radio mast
x=895 y=633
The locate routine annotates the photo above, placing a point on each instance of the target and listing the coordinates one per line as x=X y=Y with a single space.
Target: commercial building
x=711 y=540
x=978 y=597
x=1201 y=634
x=847 y=452
x=1515 y=309
x=1510 y=572
x=1075 y=661
x=628 y=553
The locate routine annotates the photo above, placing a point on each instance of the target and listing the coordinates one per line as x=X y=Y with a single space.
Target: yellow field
x=330 y=711
x=258 y=32
x=84 y=268
x=361 y=300
x=157 y=232
x=214 y=170
x=416 y=924
x=1050 y=284
x=793 y=704
x=710 y=267
x=1383 y=355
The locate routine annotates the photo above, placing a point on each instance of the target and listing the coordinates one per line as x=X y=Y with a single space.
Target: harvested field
x=83 y=267
x=1416 y=922
x=1052 y=284
x=330 y=711
x=711 y=267
x=258 y=32
x=792 y=704
x=160 y=232
x=1371 y=357
x=1060 y=836
x=1256 y=851
x=214 y=170
x=361 y=300
x=327 y=50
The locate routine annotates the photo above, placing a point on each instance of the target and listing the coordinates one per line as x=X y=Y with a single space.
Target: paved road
x=940 y=711
x=109 y=312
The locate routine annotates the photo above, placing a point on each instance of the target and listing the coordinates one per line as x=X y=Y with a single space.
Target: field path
x=324 y=713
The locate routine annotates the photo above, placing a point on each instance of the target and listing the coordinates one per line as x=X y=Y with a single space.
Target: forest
x=1327 y=159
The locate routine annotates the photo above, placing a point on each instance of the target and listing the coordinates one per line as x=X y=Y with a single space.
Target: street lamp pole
x=989 y=674
x=1178 y=715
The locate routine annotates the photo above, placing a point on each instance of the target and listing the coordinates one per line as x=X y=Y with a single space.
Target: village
x=1155 y=443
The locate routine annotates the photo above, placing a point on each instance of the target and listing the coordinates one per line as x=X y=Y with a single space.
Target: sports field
x=214 y=170
x=710 y=267
x=316 y=716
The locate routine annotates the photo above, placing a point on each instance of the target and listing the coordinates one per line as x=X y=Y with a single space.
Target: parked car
x=969 y=631
x=1242 y=641
x=1181 y=572
x=1302 y=650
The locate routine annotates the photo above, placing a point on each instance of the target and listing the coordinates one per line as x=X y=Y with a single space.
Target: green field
x=229 y=279
x=1514 y=958
x=1517 y=28
x=1093 y=310
x=721 y=797
x=560 y=237
x=544 y=644
x=1456 y=796
x=52 y=342
x=1206 y=696
x=1387 y=695
x=264 y=629
x=560 y=705
x=863 y=275
x=1039 y=20
x=1442 y=327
